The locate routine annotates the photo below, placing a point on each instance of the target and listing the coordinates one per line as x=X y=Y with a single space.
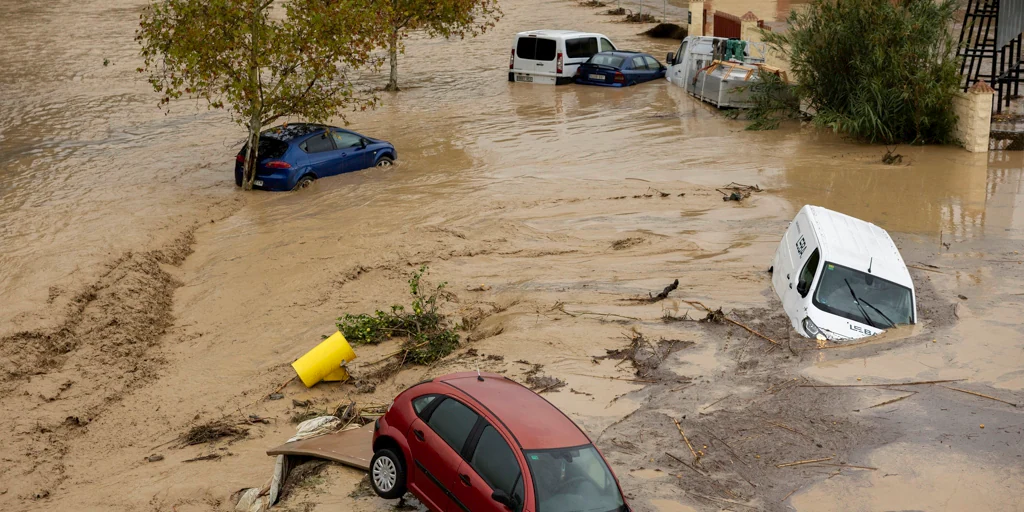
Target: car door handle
x=465 y=479
x=540 y=63
x=418 y=434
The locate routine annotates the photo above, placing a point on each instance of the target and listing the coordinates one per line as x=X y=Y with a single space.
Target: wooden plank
x=352 y=447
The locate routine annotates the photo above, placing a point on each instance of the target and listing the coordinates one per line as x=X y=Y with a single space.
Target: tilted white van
x=552 y=56
x=841 y=278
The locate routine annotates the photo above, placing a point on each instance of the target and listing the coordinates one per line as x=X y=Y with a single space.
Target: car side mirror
x=670 y=58
x=502 y=497
x=803 y=288
x=362 y=143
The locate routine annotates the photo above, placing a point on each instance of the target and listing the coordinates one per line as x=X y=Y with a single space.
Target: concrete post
x=974 y=117
x=696 y=26
x=748 y=27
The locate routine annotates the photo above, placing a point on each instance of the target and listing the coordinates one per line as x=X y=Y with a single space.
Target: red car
x=474 y=442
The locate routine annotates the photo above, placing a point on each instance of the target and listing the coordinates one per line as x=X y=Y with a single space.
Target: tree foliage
x=879 y=70
x=438 y=18
x=261 y=60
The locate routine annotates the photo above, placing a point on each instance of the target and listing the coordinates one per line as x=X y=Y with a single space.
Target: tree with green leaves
x=878 y=70
x=262 y=60
x=444 y=18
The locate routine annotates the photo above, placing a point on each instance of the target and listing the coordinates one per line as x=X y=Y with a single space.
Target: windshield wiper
x=868 y=304
x=856 y=301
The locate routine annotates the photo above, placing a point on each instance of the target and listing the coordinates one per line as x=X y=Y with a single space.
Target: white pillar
x=696 y=26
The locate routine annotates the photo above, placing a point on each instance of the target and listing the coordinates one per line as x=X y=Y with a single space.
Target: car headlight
x=812 y=330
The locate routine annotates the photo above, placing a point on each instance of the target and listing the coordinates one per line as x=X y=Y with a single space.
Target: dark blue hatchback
x=293 y=155
x=619 y=69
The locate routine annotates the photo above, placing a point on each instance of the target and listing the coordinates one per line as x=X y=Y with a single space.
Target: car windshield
x=863 y=297
x=573 y=480
x=606 y=60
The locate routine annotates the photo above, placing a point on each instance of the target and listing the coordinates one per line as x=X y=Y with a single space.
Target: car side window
x=453 y=422
x=345 y=140
x=495 y=462
x=317 y=144
x=421 y=404
x=803 y=286
x=583 y=47
x=607 y=46
x=651 y=63
x=638 y=63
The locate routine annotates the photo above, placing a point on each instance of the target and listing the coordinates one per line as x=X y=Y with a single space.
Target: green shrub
x=878 y=70
x=429 y=336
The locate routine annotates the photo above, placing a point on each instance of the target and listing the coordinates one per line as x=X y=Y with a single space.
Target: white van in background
x=841 y=278
x=552 y=56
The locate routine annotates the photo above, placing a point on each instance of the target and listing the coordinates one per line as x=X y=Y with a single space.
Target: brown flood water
x=509 y=185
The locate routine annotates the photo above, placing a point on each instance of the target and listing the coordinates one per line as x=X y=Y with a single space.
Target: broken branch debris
x=981 y=395
x=801 y=462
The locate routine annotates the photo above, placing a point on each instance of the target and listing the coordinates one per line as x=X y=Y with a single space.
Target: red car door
x=492 y=468
x=436 y=445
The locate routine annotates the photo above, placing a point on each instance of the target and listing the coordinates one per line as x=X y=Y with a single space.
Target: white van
x=552 y=56
x=841 y=278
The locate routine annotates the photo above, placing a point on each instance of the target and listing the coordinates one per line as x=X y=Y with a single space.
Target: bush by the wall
x=878 y=70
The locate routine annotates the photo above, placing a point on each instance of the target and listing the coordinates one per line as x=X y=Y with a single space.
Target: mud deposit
x=143 y=296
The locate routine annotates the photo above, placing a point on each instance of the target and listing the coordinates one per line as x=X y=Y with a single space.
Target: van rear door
x=535 y=55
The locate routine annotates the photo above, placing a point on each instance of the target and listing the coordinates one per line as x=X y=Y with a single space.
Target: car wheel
x=304 y=182
x=387 y=474
x=385 y=161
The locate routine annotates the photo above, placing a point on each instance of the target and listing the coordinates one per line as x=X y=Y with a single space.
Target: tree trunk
x=251 y=153
x=393 y=57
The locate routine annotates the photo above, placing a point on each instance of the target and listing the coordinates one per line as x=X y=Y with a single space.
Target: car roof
x=532 y=420
x=858 y=244
x=622 y=53
x=558 y=33
x=289 y=131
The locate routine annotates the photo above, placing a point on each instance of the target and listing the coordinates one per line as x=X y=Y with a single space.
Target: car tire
x=387 y=474
x=385 y=161
x=304 y=182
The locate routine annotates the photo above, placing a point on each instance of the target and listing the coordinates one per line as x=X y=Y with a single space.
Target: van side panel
x=795 y=249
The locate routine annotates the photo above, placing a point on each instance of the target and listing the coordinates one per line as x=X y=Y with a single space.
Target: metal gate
x=726 y=25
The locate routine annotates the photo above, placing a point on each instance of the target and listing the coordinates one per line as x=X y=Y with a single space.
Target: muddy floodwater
x=141 y=293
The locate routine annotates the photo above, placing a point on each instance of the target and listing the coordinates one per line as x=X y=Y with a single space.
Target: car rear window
x=607 y=60
x=268 y=148
x=535 y=48
x=581 y=48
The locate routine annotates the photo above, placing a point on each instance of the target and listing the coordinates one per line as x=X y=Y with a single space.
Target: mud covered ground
x=136 y=310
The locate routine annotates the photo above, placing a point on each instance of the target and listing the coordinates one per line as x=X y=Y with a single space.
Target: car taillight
x=558 y=63
x=240 y=158
x=620 y=78
x=277 y=164
x=512 y=59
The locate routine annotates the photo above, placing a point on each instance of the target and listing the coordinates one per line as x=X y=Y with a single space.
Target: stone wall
x=974 y=112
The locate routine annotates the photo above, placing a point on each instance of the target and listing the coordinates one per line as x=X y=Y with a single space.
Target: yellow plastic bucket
x=325 y=361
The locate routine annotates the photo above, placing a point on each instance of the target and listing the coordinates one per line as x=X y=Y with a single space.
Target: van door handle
x=419 y=434
x=540 y=63
x=465 y=479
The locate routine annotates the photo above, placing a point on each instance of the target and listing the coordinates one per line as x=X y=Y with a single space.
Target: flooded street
x=142 y=293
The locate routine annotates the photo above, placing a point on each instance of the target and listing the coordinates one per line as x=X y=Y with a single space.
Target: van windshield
x=863 y=298
x=573 y=479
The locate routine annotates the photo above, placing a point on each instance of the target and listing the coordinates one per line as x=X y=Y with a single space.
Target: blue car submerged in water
x=293 y=155
x=619 y=69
